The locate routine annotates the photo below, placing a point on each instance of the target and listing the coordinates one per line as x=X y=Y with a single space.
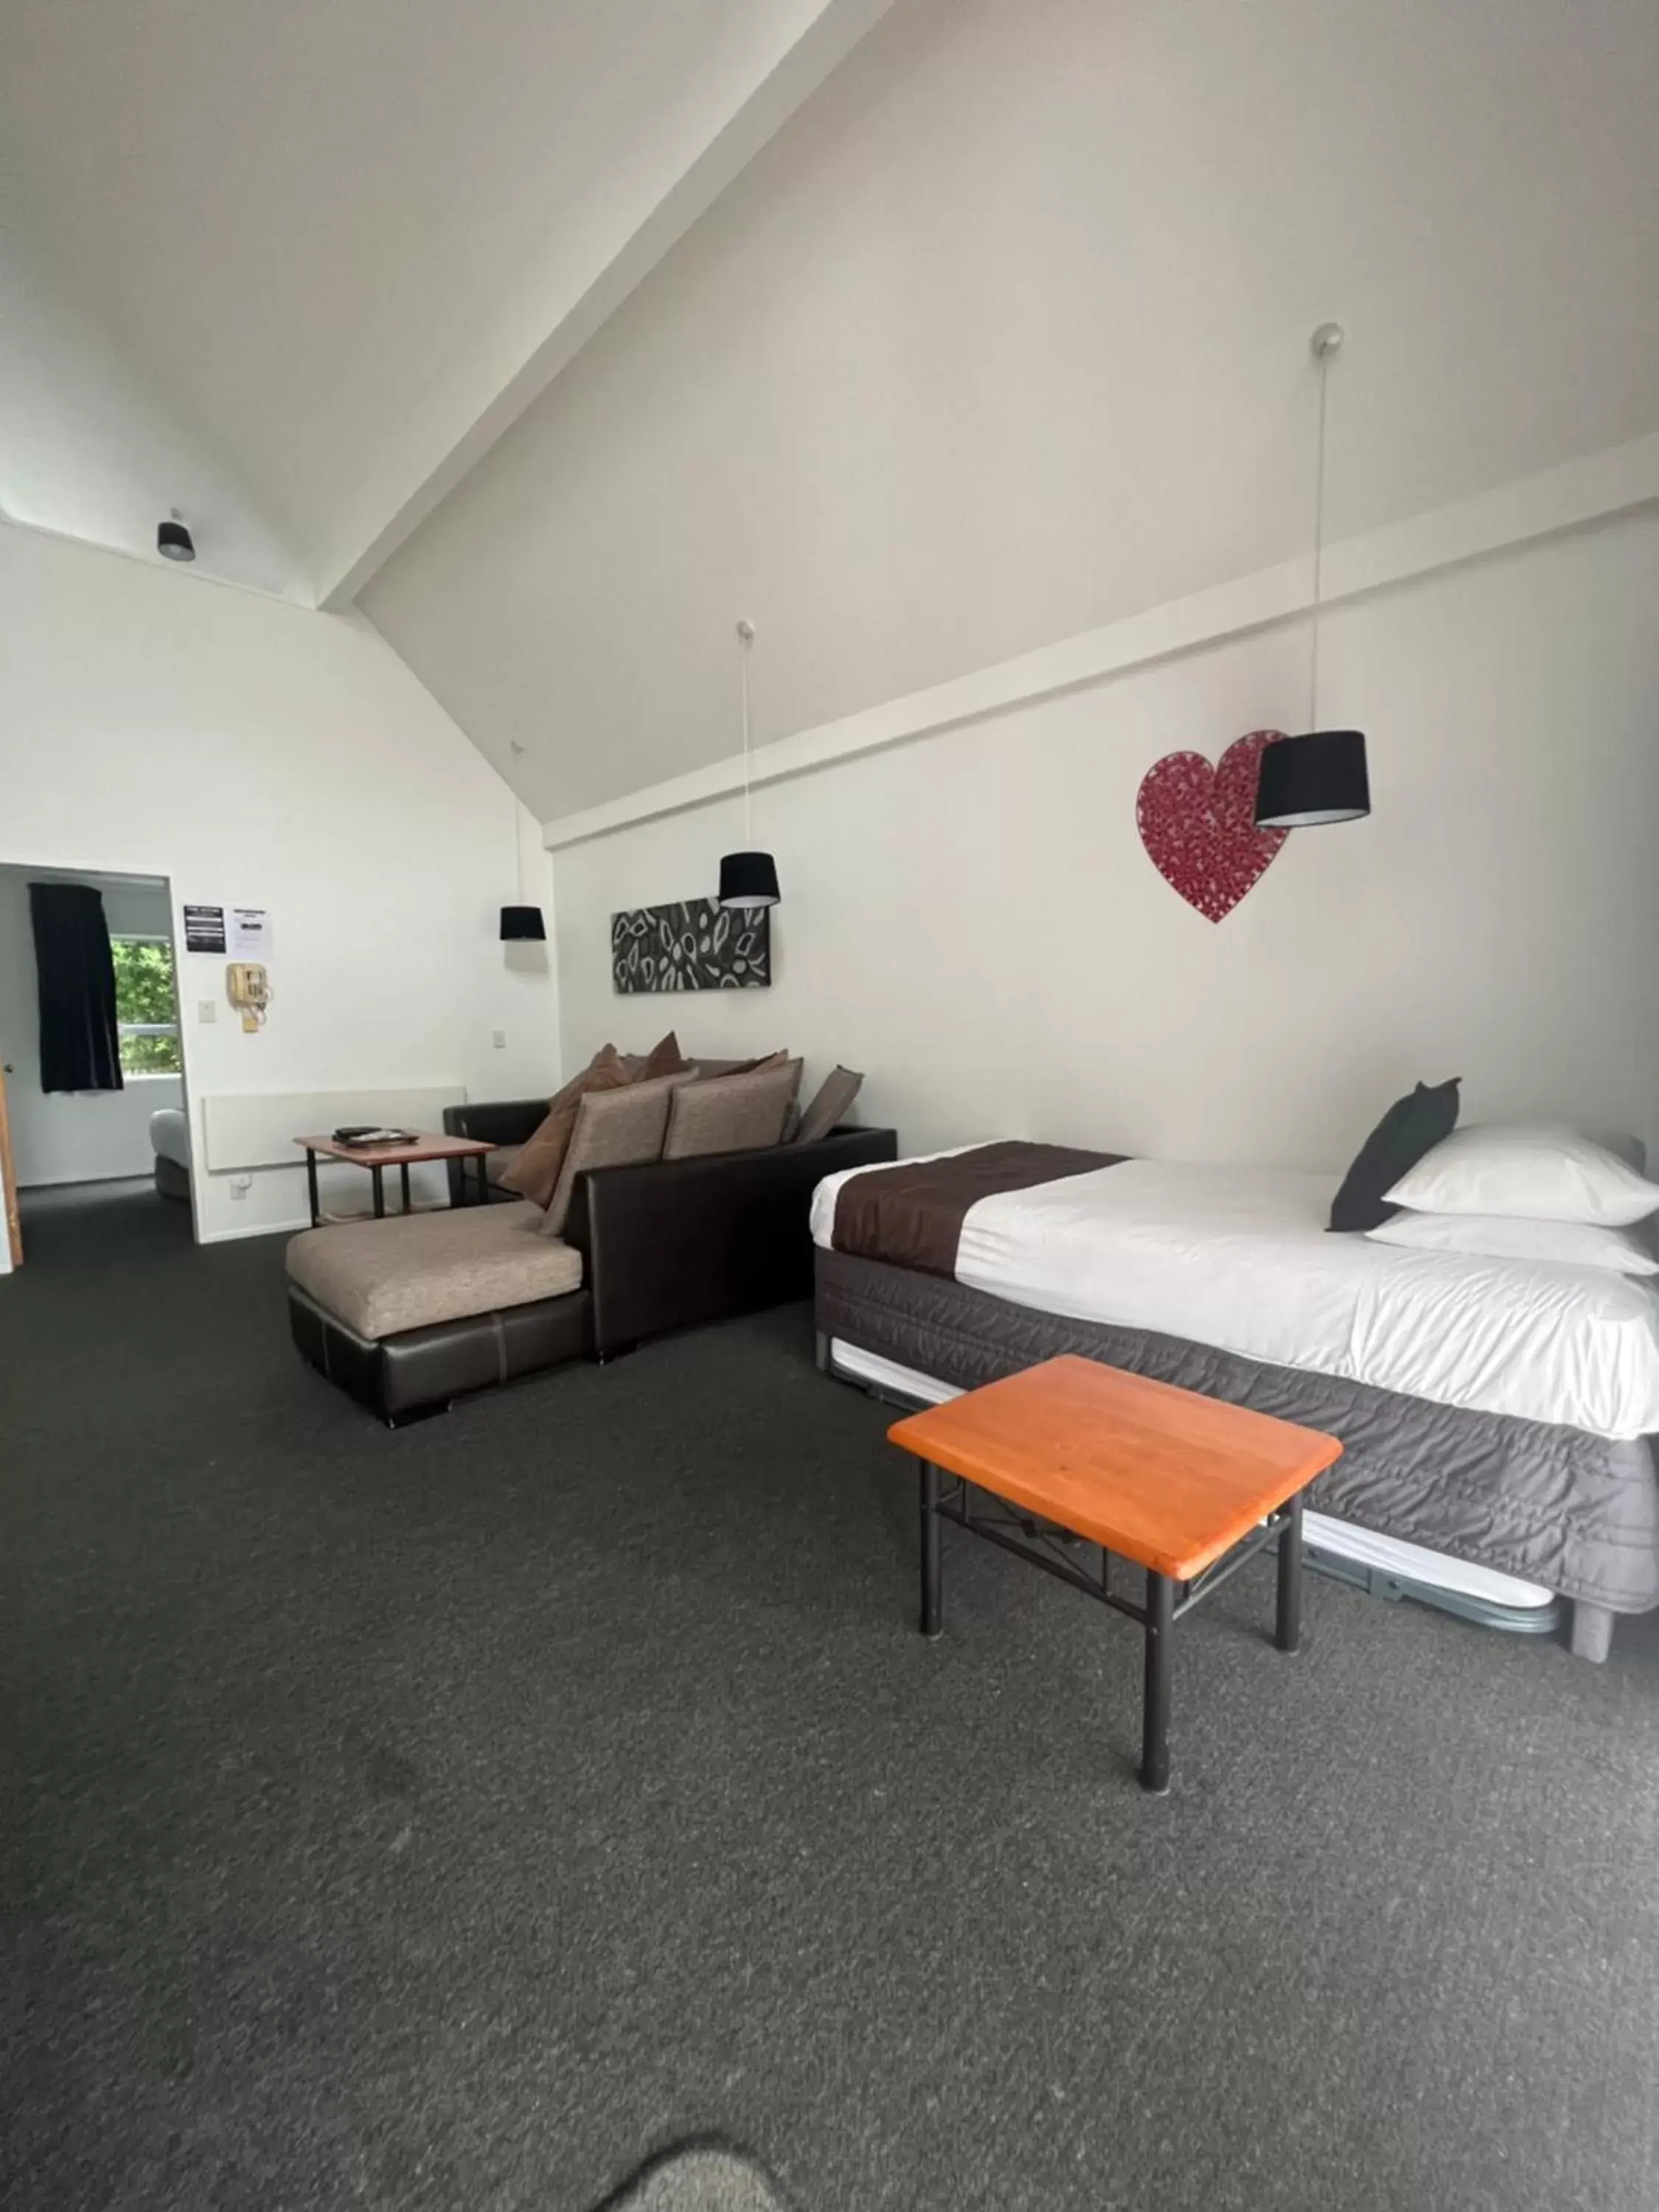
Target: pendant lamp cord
x=745 y=639
x=1318 y=543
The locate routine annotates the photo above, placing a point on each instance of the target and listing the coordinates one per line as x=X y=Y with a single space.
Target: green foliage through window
x=146 y=1006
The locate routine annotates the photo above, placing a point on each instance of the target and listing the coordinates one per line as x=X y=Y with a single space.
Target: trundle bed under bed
x=1496 y=1415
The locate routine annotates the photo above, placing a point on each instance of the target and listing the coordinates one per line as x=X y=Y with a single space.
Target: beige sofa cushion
x=614 y=1129
x=733 y=1113
x=381 y=1277
x=496 y=1163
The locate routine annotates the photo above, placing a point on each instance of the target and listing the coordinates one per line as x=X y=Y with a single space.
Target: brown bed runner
x=911 y=1216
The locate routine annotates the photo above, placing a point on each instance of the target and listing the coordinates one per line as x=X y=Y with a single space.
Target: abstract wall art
x=693 y=946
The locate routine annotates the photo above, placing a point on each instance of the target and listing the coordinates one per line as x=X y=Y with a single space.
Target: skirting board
x=259 y=1229
x=257 y=1129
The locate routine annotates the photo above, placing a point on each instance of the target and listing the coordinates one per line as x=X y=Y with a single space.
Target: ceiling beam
x=1578 y=494
x=832 y=35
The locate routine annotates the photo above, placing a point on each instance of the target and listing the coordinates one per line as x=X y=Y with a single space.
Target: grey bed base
x=1577 y=1513
x=171 y=1180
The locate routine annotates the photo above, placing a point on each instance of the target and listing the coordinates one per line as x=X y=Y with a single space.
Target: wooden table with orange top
x=1187 y=1487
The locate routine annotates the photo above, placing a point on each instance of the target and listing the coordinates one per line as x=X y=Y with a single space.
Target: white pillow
x=1528 y=1172
x=1496 y=1237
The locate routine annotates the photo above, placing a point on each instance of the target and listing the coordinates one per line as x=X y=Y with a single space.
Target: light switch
x=498 y=1038
x=207 y=1010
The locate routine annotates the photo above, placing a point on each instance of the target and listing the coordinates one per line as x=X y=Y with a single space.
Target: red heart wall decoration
x=1198 y=824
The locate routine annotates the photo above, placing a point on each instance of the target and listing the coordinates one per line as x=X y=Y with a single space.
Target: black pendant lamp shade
x=749 y=879
x=1308 y=781
x=173 y=541
x=522 y=921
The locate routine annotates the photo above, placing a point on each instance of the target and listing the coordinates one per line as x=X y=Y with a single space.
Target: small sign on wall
x=204 y=929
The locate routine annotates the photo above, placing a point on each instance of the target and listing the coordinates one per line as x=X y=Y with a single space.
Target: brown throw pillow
x=535 y=1173
x=835 y=1095
x=718 y=1070
x=664 y=1058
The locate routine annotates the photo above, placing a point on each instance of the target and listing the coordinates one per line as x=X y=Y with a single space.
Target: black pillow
x=1411 y=1127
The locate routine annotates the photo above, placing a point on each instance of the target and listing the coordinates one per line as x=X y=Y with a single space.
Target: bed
x=1497 y=1415
x=169 y=1139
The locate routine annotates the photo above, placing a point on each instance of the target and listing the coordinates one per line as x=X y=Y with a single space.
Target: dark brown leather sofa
x=505 y=1121
x=664 y=1246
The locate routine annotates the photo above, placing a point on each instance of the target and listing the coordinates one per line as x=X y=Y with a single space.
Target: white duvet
x=1240 y=1258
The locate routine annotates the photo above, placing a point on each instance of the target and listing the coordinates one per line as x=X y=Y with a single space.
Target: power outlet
x=240 y=1185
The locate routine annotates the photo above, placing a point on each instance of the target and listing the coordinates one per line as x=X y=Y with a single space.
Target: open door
x=8 y=1180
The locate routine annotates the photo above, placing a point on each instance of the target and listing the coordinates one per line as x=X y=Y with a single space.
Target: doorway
x=129 y=1134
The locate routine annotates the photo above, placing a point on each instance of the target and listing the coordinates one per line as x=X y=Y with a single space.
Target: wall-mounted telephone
x=248 y=987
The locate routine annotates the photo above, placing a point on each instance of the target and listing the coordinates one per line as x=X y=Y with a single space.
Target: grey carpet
x=452 y=1819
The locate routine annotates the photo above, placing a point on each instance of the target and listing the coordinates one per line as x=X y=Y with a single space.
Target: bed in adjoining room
x=169 y=1139
x=1497 y=1414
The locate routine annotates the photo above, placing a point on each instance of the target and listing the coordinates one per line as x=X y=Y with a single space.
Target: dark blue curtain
x=79 y=1043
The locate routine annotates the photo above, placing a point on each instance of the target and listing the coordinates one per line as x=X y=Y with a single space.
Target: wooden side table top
x=420 y=1147
x=1159 y=1475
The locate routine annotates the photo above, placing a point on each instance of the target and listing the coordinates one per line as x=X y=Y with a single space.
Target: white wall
x=73 y=1136
x=261 y=754
x=1004 y=337
x=971 y=920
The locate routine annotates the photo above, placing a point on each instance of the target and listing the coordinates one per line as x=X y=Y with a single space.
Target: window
x=146 y=1006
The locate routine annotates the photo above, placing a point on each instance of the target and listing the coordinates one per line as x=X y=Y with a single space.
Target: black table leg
x=403 y=1173
x=311 y=1185
x=379 y=1191
x=1155 y=1719
x=484 y=1180
x=931 y=1621
x=1287 y=1632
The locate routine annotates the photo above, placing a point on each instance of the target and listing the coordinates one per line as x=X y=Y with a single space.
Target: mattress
x=169 y=1135
x=1240 y=1259
x=1367 y=1547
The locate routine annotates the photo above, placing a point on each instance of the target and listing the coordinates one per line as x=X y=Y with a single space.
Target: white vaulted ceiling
x=291 y=267
x=558 y=334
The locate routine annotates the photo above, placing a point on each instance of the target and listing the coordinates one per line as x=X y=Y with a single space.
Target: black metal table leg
x=311 y=1185
x=402 y=1174
x=1155 y=1712
x=1287 y=1632
x=379 y=1191
x=484 y=1180
x=932 y=1620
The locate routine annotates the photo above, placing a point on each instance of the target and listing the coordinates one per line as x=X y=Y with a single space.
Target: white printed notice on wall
x=250 y=932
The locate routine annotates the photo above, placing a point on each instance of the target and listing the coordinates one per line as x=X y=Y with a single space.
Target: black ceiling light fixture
x=173 y=541
x=1306 y=782
x=747 y=880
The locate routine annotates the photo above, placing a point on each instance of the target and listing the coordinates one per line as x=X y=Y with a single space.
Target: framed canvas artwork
x=693 y=946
